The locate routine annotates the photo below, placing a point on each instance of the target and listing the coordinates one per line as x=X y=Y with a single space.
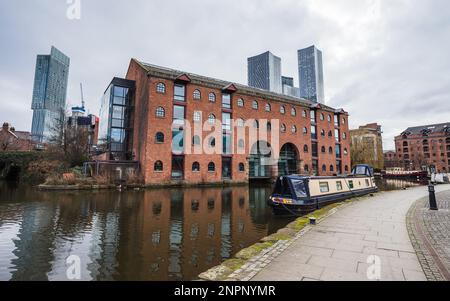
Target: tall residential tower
x=49 y=93
x=310 y=68
x=264 y=72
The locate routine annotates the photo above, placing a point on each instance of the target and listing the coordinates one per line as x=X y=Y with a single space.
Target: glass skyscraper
x=310 y=68
x=264 y=72
x=49 y=93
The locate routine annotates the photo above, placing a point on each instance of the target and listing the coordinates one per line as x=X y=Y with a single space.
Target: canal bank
x=350 y=244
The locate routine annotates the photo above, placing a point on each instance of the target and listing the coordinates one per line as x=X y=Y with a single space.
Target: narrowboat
x=299 y=194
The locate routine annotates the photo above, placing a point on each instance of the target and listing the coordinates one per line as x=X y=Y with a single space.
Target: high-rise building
x=288 y=81
x=264 y=72
x=288 y=87
x=310 y=68
x=49 y=93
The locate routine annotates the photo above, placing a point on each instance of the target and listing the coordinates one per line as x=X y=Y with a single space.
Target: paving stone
x=339 y=246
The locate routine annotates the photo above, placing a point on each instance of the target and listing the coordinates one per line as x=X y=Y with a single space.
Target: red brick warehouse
x=140 y=110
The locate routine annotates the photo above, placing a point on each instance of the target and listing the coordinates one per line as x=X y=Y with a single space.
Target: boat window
x=339 y=185
x=360 y=170
x=350 y=184
x=282 y=188
x=299 y=188
x=324 y=187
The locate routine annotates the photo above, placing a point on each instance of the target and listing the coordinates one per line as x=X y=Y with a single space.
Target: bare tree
x=8 y=142
x=70 y=141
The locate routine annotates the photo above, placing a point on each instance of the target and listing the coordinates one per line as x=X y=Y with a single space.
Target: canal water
x=166 y=234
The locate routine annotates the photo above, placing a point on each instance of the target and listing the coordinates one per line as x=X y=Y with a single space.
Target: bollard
x=433 y=203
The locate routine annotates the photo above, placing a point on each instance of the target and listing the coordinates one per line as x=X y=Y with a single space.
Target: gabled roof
x=428 y=129
x=183 y=78
x=172 y=74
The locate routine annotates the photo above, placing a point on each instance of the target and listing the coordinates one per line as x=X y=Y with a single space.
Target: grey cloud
x=385 y=61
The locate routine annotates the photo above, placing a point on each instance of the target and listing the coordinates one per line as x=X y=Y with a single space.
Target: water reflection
x=397 y=184
x=150 y=235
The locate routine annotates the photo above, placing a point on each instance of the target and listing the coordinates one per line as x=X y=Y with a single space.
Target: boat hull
x=318 y=202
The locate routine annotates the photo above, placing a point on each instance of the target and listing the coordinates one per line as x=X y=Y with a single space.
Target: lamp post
x=433 y=203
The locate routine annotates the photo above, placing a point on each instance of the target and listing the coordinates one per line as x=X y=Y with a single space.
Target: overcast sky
x=385 y=61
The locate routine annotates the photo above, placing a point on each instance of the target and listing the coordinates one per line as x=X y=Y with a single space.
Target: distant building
x=390 y=159
x=310 y=68
x=49 y=93
x=288 y=87
x=12 y=140
x=90 y=123
x=264 y=72
x=367 y=146
x=425 y=148
x=288 y=81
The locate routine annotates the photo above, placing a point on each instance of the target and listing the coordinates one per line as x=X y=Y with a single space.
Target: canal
x=166 y=234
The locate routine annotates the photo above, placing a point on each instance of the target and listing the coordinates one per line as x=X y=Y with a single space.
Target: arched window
x=283 y=128
x=211 y=167
x=329 y=118
x=304 y=114
x=161 y=88
x=212 y=142
x=240 y=102
x=294 y=129
x=346 y=168
x=256 y=124
x=330 y=150
x=282 y=110
x=306 y=168
x=330 y=134
x=241 y=143
x=160 y=112
x=159 y=166
x=197 y=116
x=344 y=121
x=159 y=137
x=405 y=143
x=322 y=117
x=197 y=95
x=305 y=148
x=241 y=167
x=268 y=107
x=324 y=168
x=322 y=133
x=344 y=136
x=212 y=97
x=212 y=119
x=293 y=112
x=345 y=151
x=240 y=122
x=305 y=130
x=332 y=168
x=255 y=105
x=195 y=167
x=196 y=140
x=323 y=150
x=269 y=127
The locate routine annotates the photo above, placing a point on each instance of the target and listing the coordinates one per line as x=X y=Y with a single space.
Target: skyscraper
x=49 y=93
x=310 y=70
x=264 y=72
x=288 y=87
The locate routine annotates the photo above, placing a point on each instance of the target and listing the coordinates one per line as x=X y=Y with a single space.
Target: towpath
x=366 y=240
